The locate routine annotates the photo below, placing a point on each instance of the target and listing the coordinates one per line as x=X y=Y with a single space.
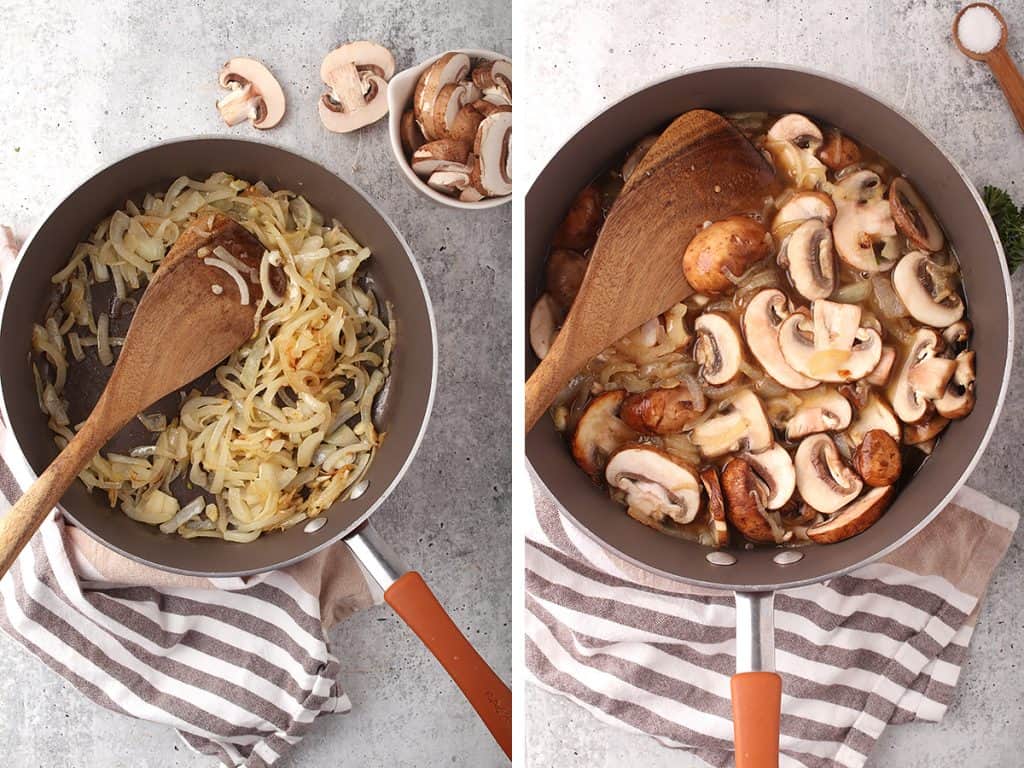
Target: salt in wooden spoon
x=998 y=60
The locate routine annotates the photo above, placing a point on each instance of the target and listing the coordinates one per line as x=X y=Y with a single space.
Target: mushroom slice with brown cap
x=544 y=321
x=876 y=414
x=745 y=497
x=255 y=94
x=793 y=142
x=723 y=248
x=494 y=79
x=491 y=172
x=821 y=410
x=410 y=133
x=863 y=221
x=600 y=432
x=718 y=348
x=450 y=101
x=958 y=399
x=636 y=154
x=807 y=254
x=657 y=485
x=465 y=124
x=913 y=217
x=822 y=477
x=357 y=75
x=450 y=182
x=774 y=467
x=452 y=67
x=564 y=274
x=662 y=411
x=924 y=431
x=925 y=289
x=879 y=377
x=839 y=151
x=578 y=230
x=877 y=459
x=718 y=528
x=801 y=207
x=957 y=335
x=761 y=321
x=855 y=518
x=832 y=348
x=918 y=378
x=739 y=424
x=440 y=155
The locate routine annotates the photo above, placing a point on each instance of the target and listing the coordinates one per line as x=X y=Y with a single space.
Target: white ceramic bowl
x=400 y=90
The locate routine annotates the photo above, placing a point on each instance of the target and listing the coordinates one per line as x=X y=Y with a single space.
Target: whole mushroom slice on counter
x=491 y=173
x=877 y=459
x=863 y=221
x=793 y=142
x=657 y=485
x=773 y=467
x=802 y=207
x=820 y=410
x=913 y=217
x=832 y=346
x=855 y=518
x=822 y=477
x=739 y=423
x=662 y=411
x=745 y=497
x=875 y=415
x=726 y=247
x=254 y=94
x=545 y=319
x=921 y=377
x=600 y=432
x=357 y=76
x=718 y=348
x=958 y=399
x=761 y=322
x=717 y=524
x=808 y=255
x=452 y=67
x=839 y=151
x=494 y=79
x=925 y=288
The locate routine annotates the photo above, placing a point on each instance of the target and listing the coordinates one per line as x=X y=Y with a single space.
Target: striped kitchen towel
x=240 y=667
x=882 y=645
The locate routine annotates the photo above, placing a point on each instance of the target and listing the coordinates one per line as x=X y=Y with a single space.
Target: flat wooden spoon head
x=700 y=169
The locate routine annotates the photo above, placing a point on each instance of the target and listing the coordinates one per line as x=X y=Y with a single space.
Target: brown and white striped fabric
x=882 y=645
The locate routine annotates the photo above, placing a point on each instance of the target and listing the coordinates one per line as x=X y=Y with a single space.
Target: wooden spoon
x=180 y=330
x=701 y=168
x=998 y=60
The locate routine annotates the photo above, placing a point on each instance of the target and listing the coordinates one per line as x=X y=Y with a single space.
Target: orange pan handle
x=756 y=690
x=410 y=597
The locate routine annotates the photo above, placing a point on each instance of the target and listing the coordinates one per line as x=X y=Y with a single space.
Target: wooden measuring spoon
x=998 y=60
x=180 y=330
x=699 y=169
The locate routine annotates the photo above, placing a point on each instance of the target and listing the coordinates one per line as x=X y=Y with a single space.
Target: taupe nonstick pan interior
x=403 y=409
x=951 y=196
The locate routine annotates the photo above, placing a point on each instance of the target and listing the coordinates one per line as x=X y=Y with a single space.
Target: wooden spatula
x=699 y=169
x=180 y=330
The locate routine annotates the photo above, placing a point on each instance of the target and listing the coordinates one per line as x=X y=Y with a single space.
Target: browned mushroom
x=254 y=94
x=659 y=411
x=600 y=432
x=838 y=151
x=727 y=247
x=854 y=518
x=578 y=230
x=745 y=497
x=925 y=430
x=717 y=525
x=958 y=399
x=877 y=459
x=564 y=274
x=912 y=216
x=357 y=75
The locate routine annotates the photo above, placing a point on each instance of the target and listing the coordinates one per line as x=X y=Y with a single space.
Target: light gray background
x=580 y=61
x=84 y=83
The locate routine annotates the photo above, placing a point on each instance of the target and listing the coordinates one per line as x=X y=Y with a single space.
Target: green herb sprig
x=1009 y=221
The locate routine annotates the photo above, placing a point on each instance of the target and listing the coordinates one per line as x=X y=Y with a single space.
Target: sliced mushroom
x=600 y=432
x=470 y=195
x=875 y=415
x=809 y=257
x=487 y=109
x=924 y=431
x=877 y=459
x=412 y=136
x=449 y=103
x=879 y=377
x=745 y=497
x=578 y=230
x=761 y=321
x=863 y=221
x=800 y=207
x=726 y=247
x=834 y=347
x=657 y=485
x=494 y=79
x=839 y=151
x=254 y=94
x=662 y=411
x=924 y=288
x=913 y=217
x=918 y=376
x=636 y=154
x=718 y=348
x=774 y=468
x=465 y=124
x=440 y=155
x=357 y=75
x=739 y=424
x=824 y=480
x=544 y=321
x=820 y=410
x=958 y=399
x=491 y=173
x=717 y=525
x=793 y=142
x=855 y=518
x=956 y=336
x=452 y=67
x=449 y=182
x=564 y=274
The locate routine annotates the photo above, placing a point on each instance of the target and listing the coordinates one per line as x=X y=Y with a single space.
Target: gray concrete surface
x=900 y=49
x=84 y=83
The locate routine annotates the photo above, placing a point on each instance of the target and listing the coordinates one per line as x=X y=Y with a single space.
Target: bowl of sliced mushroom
x=451 y=127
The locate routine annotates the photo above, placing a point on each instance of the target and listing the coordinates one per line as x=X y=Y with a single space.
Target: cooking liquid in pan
x=663 y=355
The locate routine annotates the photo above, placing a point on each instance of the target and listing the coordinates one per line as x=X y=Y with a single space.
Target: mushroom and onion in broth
x=824 y=350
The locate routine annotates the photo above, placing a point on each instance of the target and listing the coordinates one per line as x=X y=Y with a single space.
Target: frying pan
x=402 y=409
x=755 y=575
